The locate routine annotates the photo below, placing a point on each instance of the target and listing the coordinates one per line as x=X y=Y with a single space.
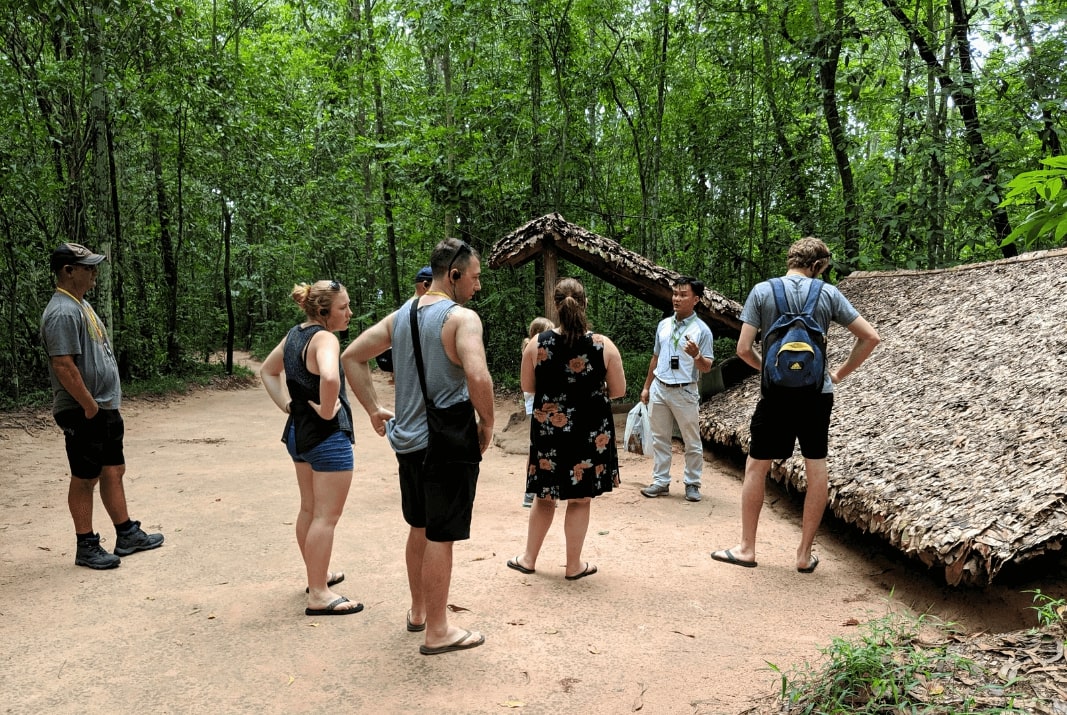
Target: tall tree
x=963 y=95
x=827 y=53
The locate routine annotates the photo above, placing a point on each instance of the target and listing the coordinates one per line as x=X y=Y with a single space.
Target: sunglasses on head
x=464 y=247
x=334 y=285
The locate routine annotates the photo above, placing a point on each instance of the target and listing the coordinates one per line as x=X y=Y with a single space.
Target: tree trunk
x=383 y=161
x=797 y=210
x=168 y=254
x=536 y=200
x=361 y=128
x=227 y=288
x=100 y=238
x=982 y=161
x=827 y=54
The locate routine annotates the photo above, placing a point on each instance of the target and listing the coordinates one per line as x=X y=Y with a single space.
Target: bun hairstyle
x=315 y=299
x=569 y=297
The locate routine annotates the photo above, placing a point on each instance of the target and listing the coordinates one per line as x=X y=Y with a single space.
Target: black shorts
x=92 y=444
x=778 y=423
x=438 y=498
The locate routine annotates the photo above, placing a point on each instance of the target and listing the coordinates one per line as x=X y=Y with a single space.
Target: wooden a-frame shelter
x=552 y=237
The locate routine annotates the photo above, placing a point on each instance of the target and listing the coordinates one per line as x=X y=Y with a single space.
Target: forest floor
x=213 y=621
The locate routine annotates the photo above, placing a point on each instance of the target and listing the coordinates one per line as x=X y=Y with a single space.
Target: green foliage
x=253 y=145
x=888 y=668
x=1049 y=220
x=195 y=375
x=190 y=375
x=1050 y=611
x=635 y=364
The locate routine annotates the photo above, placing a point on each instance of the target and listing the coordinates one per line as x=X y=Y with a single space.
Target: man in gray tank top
x=437 y=500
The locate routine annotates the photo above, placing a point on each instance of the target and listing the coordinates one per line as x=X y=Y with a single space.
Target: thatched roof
x=609 y=260
x=951 y=441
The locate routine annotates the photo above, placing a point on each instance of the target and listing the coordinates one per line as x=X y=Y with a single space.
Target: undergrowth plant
x=888 y=669
x=1050 y=611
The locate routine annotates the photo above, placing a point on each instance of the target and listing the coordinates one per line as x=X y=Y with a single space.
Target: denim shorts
x=333 y=454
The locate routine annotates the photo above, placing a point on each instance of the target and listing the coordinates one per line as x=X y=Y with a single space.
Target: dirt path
x=213 y=621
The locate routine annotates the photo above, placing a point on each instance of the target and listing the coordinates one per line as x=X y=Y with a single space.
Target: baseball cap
x=424 y=274
x=69 y=254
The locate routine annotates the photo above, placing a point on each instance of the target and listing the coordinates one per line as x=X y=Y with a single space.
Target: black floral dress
x=572 y=434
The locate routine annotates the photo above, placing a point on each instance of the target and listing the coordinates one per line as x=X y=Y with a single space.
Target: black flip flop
x=587 y=571
x=332 y=610
x=414 y=627
x=457 y=645
x=810 y=567
x=329 y=582
x=514 y=564
x=728 y=558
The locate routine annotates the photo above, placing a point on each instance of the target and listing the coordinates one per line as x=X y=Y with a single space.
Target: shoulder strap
x=315 y=329
x=814 y=291
x=417 y=345
x=780 y=302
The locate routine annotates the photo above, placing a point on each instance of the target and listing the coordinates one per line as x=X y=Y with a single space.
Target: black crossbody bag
x=453 y=430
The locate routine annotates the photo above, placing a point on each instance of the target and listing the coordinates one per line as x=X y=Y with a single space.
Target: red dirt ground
x=213 y=621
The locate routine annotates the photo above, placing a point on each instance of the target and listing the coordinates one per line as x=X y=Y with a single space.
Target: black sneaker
x=134 y=540
x=91 y=554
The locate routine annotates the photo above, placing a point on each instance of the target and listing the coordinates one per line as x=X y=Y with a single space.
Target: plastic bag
x=637 y=437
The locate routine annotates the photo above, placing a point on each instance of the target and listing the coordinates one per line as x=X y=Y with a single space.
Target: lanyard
x=87 y=312
x=676 y=336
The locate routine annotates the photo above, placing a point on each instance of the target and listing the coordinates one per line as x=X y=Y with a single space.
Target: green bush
x=889 y=668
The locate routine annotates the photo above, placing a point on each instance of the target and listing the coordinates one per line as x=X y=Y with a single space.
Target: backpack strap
x=778 y=288
x=814 y=291
x=782 y=304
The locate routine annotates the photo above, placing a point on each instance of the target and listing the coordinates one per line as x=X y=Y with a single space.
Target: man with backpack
x=793 y=313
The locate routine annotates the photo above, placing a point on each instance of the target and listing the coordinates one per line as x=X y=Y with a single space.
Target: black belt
x=674 y=384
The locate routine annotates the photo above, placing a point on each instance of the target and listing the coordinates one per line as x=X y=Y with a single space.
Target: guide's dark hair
x=695 y=283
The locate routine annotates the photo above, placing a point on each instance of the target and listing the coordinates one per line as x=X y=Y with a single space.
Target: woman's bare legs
x=575 y=526
x=322 y=500
x=541 y=515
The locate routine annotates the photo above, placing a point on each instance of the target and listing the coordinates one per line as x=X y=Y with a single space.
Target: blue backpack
x=794 y=347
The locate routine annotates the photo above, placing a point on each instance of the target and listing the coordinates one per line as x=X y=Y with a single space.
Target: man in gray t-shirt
x=778 y=422
x=86 y=396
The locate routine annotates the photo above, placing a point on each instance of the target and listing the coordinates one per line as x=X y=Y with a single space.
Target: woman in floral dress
x=574 y=374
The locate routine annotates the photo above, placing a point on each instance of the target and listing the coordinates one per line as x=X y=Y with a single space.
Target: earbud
x=456 y=275
x=323 y=311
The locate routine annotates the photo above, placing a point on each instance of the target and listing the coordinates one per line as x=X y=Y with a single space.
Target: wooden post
x=551 y=276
